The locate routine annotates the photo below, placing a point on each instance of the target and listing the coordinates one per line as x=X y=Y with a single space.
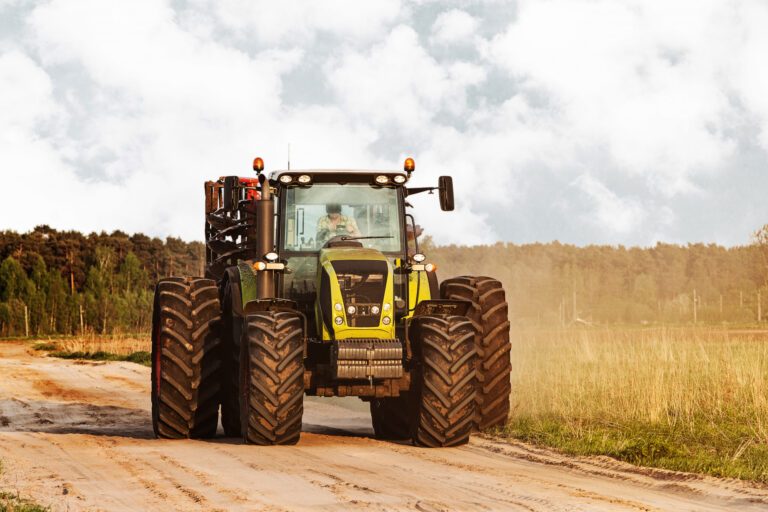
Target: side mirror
x=445 y=186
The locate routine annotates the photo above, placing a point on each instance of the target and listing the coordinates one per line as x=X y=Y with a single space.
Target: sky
x=585 y=121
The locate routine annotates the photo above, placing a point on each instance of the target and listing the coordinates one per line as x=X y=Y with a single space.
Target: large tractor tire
x=489 y=313
x=186 y=361
x=445 y=381
x=231 y=333
x=272 y=374
x=391 y=418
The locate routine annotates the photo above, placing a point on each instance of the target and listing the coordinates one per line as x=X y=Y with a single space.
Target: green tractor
x=314 y=284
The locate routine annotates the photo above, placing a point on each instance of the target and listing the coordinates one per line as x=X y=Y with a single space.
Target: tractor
x=314 y=284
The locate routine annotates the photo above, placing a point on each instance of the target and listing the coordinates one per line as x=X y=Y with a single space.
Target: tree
x=760 y=239
x=14 y=283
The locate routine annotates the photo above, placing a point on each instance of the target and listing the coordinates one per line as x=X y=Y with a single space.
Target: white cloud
x=454 y=27
x=621 y=215
x=125 y=109
x=748 y=71
x=626 y=76
x=26 y=93
x=398 y=82
x=299 y=22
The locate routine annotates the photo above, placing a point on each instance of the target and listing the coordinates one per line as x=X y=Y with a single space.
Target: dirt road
x=77 y=436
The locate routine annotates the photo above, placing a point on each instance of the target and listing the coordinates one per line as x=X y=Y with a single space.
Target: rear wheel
x=185 y=358
x=272 y=377
x=232 y=324
x=489 y=312
x=390 y=417
x=445 y=380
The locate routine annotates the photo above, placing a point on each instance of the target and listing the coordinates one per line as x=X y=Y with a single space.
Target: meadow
x=681 y=398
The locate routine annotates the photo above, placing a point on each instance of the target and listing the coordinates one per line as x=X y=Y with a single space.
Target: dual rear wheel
x=261 y=388
x=186 y=360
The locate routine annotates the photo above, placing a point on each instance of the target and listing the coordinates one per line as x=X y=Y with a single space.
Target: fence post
x=695 y=306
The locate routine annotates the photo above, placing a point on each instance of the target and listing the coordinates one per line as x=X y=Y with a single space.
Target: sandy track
x=77 y=436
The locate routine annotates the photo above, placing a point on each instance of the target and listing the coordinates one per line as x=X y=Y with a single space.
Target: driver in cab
x=335 y=224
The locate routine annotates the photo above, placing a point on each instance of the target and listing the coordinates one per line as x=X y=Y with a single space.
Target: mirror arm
x=418 y=190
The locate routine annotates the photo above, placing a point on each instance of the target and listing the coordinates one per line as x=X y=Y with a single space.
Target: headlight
x=418 y=258
x=375 y=310
x=351 y=310
x=286 y=178
x=339 y=320
x=399 y=178
x=387 y=306
x=304 y=179
x=386 y=320
x=271 y=256
x=382 y=180
x=338 y=307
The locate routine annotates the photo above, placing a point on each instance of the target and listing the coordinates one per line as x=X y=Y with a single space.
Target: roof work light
x=410 y=165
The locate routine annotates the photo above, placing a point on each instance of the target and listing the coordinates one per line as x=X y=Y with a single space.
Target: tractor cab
x=345 y=227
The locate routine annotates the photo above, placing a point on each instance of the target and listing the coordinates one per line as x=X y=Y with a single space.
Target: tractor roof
x=327 y=175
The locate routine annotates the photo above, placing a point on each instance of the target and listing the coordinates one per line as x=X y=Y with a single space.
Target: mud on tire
x=272 y=378
x=186 y=360
x=489 y=312
x=391 y=417
x=445 y=386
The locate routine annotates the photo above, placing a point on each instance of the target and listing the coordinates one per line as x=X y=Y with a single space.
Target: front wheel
x=272 y=377
x=445 y=380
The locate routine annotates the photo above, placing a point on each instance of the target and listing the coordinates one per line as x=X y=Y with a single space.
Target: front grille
x=362 y=284
x=364 y=358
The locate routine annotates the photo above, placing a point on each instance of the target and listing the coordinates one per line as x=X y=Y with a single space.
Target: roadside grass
x=141 y=357
x=686 y=399
x=45 y=346
x=134 y=349
x=10 y=502
x=13 y=503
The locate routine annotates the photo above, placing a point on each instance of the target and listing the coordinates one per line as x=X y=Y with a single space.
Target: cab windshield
x=316 y=214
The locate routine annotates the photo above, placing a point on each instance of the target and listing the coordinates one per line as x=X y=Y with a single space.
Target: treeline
x=557 y=284
x=55 y=282
x=65 y=282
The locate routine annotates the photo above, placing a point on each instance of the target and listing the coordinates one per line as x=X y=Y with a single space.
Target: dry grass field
x=691 y=399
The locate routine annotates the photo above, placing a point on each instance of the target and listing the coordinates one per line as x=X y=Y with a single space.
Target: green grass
x=683 y=398
x=718 y=449
x=13 y=503
x=140 y=357
x=45 y=346
x=10 y=502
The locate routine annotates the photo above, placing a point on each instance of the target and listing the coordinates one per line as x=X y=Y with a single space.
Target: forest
x=66 y=282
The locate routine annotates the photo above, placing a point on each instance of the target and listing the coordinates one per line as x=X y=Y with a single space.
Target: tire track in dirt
x=78 y=437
